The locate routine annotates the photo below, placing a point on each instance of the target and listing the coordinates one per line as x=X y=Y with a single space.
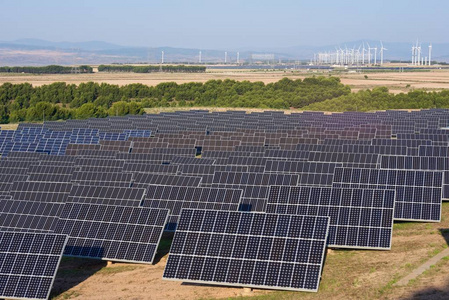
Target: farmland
x=396 y=82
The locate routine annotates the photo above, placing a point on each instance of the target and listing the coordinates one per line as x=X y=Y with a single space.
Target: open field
x=396 y=82
x=347 y=274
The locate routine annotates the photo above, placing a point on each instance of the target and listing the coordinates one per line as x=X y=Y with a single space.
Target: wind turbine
x=369 y=53
x=382 y=49
x=418 y=50
x=430 y=54
x=363 y=53
x=375 y=55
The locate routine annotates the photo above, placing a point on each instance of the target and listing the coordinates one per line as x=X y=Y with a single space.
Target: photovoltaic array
x=28 y=263
x=115 y=233
x=418 y=193
x=254 y=198
x=256 y=250
x=359 y=218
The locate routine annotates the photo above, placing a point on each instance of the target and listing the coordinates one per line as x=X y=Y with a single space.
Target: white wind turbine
x=375 y=55
x=369 y=53
x=363 y=53
x=382 y=49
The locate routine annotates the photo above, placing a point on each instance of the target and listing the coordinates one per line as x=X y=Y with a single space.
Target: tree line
x=380 y=98
x=151 y=69
x=24 y=102
x=52 y=69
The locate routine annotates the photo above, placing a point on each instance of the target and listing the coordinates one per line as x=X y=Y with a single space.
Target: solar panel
x=150 y=168
x=115 y=233
x=41 y=191
x=287 y=154
x=100 y=162
x=244 y=178
x=359 y=218
x=246 y=161
x=420 y=163
x=50 y=177
x=418 y=193
x=30 y=215
x=433 y=151
x=184 y=160
x=46 y=169
x=311 y=173
x=252 y=250
x=122 y=196
x=254 y=197
x=176 y=198
x=29 y=262
x=10 y=178
x=365 y=160
x=99 y=169
x=103 y=179
x=142 y=180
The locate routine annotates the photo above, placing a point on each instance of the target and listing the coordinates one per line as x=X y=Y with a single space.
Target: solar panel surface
x=259 y=250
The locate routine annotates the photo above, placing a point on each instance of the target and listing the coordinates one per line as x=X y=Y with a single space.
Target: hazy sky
x=229 y=24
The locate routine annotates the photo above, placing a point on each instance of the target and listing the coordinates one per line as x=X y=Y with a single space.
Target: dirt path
x=422 y=268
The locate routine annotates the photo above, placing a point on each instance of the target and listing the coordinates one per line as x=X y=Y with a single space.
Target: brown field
x=396 y=82
x=347 y=274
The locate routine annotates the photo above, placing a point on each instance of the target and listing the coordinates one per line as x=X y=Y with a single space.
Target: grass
x=156 y=110
x=9 y=126
x=118 y=269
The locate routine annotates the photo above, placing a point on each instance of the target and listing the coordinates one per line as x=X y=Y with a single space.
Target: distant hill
x=40 y=52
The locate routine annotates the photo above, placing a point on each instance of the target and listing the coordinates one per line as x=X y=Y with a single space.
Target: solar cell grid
x=182 y=160
x=368 y=159
x=31 y=215
x=49 y=169
x=176 y=198
x=29 y=262
x=150 y=168
x=418 y=193
x=50 y=177
x=246 y=178
x=359 y=218
x=252 y=250
x=115 y=233
x=246 y=161
x=123 y=196
x=40 y=191
x=142 y=180
x=287 y=154
x=98 y=177
x=442 y=151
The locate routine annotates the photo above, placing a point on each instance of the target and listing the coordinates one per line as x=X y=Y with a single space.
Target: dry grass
x=9 y=126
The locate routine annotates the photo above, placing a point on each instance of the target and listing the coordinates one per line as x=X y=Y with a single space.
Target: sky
x=230 y=24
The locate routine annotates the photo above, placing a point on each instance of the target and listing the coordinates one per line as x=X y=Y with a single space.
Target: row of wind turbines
x=356 y=57
x=418 y=58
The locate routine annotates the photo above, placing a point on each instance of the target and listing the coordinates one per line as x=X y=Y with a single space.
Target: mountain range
x=40 y=52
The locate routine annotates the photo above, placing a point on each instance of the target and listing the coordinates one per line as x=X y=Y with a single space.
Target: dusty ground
x=347 y=274
x=396 y=82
